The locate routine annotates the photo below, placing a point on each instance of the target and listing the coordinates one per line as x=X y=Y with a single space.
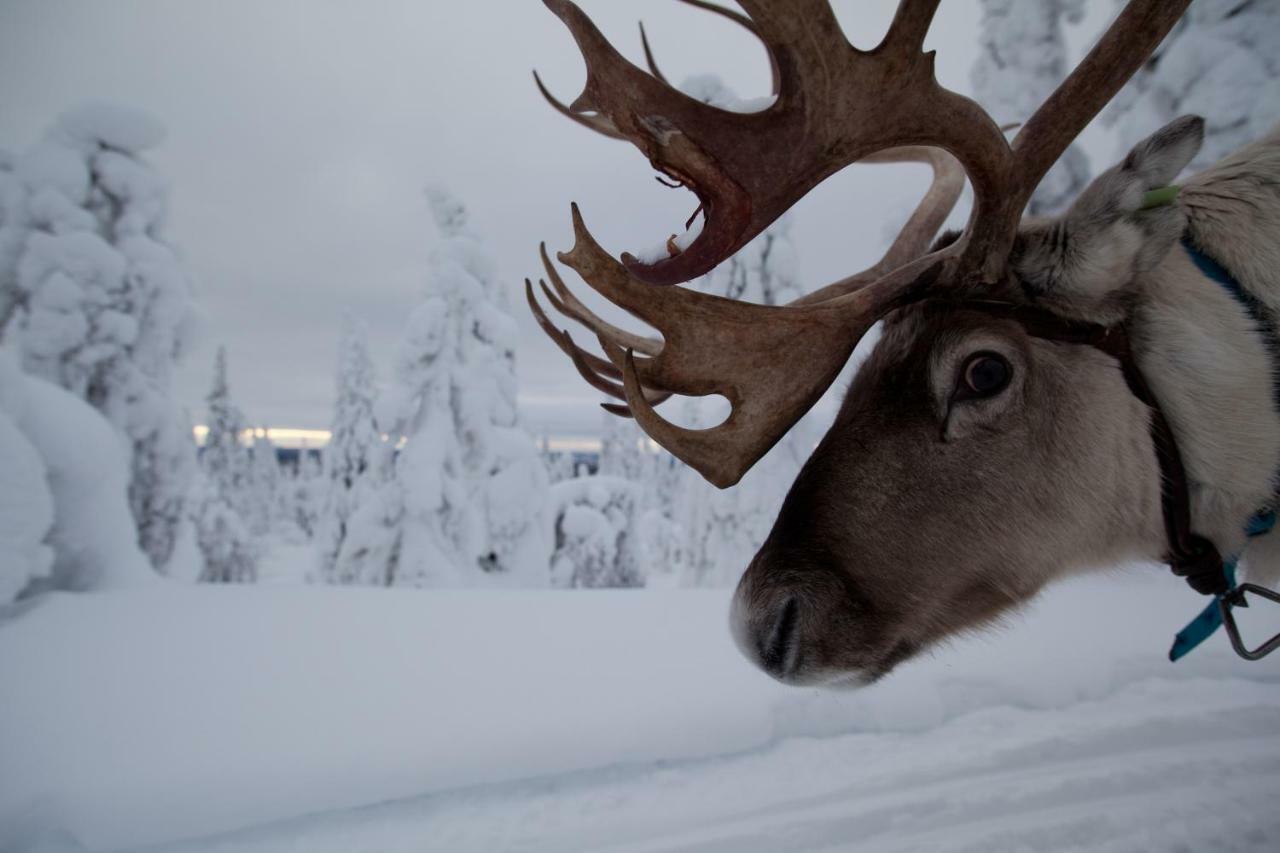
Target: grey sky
x=301 y=135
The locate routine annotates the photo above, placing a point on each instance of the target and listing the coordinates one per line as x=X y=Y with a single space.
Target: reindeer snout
x=774 y=640
x=766 y=633
x=797 y=624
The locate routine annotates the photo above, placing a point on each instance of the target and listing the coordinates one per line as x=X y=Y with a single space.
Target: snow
x=1023 y=59
x=26 y=512
x=712 y=89
x=596 y=532
x=84 y=470
x=1092 y=777
x=95 y=301
x=110 y=125
x=1220 y=62
x=58 y=167
x=681 y=241
x=570 y=720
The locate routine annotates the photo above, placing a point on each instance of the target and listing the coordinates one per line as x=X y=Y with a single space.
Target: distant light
x=279 y=436
x=314 y=439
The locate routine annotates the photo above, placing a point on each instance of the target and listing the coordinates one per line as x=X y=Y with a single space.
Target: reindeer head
x=978 y=452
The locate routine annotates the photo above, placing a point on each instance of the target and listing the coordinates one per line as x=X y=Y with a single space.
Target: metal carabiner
x=1234 y=599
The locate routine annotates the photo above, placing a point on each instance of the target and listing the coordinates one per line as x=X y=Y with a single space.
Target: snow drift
x=64 y=483
x=216 y=708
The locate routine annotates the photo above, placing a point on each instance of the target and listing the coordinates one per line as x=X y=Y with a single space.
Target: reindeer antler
x=834 y=105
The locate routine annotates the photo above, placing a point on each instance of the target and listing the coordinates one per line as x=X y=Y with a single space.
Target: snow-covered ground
x=1158 y=765
x=339 y=719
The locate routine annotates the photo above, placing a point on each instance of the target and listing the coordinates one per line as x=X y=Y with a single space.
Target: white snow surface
x=339 y=719
x=26 y=511
x=1221 y=62
x=84 y=501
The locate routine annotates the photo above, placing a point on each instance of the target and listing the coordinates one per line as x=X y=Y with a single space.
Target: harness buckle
x=1235 y=598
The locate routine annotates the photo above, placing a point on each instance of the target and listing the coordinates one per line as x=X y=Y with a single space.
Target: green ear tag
x=1158 y=197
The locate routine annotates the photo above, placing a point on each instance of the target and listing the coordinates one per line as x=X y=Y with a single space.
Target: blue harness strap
x=1210 y=619
x=1259 y=313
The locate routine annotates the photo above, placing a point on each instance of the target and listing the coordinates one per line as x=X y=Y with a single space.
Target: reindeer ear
x=1154 y=162
x=1162 y=156
x=1086 y=258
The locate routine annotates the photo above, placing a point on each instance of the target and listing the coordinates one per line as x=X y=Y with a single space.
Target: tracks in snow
x=1158 y=765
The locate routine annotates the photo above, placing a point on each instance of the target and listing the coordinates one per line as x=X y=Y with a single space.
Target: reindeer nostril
x=779 y=652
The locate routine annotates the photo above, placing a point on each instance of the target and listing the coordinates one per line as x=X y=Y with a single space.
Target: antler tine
x=910 y=25
x=920 y=228
x=562 y=337
x=771 y=363
x=598 y=364
x=617 y=409
x=835 y=105
x=1126 y=45
x=595 y=370
x=650 y=396
x=648 y=56
x=932 y=211
x=600 y=124
x=747 y=24
x=572 y=307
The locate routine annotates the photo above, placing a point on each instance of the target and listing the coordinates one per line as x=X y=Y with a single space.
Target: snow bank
x=143 y=716
x=26 y=512
x=92 y=532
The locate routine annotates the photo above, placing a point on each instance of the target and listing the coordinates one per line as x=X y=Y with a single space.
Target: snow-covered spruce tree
x=655 y=532
x=224 y=495
x=305 y=493
x=266 y=483
x=623 y=449
x=1222 y=61
x=13 y=232
x=596 y=533
x=474 y=489
x=1022 y=59
x=97 y=301
x=559 y=463
x=352 y=456
x=287 y=512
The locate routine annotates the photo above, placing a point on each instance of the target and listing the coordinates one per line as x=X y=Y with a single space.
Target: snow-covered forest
x=309 y=540
x=428 y=479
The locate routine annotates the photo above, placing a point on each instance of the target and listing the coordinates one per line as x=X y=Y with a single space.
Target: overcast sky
x=301 y=135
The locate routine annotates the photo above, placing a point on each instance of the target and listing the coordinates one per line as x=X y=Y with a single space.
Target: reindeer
x=1047 y=396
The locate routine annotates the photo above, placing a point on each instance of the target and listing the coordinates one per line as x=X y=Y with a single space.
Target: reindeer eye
x=985 y=374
